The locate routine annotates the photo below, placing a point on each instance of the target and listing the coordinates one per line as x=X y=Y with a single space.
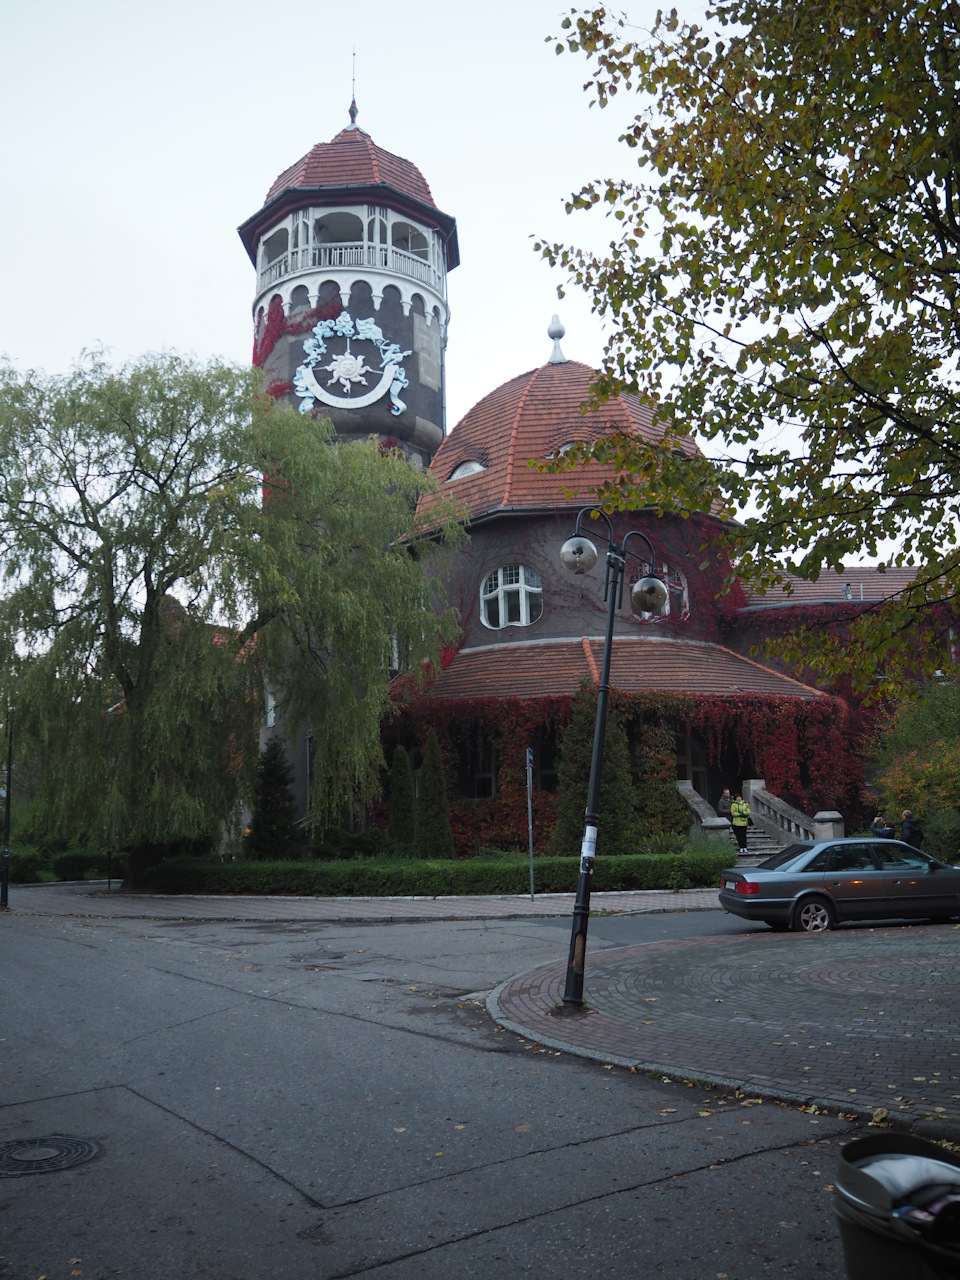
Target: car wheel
x=813 y=915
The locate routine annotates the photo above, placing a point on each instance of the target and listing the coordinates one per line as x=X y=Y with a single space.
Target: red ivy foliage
x=803 y=748
x=269 y=331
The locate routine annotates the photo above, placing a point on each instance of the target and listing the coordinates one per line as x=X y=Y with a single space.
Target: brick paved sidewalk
x=848 y=1021
x=91 y=899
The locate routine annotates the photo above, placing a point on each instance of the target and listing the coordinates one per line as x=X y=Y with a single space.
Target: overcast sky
x=139 y=136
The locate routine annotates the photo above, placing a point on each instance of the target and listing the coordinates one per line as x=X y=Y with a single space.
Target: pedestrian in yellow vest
x=740 y=820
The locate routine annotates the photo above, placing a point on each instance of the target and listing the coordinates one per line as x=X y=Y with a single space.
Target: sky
x=140 y=136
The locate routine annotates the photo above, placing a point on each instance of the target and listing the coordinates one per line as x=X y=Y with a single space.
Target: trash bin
x=879 y=1243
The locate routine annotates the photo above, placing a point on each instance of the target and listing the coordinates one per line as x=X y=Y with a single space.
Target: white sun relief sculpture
x=349 y=370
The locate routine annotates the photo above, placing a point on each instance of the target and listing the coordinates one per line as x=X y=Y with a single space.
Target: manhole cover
x=44 y=1155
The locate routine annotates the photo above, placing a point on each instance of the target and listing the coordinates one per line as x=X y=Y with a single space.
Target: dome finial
x=353 y=112
x=556 y=332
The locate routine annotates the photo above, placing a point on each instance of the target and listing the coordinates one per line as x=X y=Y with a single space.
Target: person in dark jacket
x=881 y=827
x=724 y=804
x=910 y=830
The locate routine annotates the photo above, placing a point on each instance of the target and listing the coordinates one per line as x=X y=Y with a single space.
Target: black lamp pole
x=651 y=594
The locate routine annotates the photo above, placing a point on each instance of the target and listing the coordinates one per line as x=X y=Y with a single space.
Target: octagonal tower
x=351 y=312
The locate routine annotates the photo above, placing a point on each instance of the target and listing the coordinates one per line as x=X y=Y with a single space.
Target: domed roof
x=534 y=416
x=353 y=159
x=352 y=169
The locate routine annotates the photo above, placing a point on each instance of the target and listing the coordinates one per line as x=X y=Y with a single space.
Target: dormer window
x=564 y=448
x=469 y=468
x=511 y=596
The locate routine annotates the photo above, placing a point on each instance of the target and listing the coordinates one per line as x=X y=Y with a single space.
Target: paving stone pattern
x=851 y=1021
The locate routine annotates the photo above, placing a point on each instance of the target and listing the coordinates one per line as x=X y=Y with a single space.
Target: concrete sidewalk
x=90 y=898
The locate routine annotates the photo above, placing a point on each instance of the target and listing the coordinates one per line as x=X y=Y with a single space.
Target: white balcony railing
x=381 y=257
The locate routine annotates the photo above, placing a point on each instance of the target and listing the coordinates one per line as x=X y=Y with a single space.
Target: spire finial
x=556 y=332
x=353 y=112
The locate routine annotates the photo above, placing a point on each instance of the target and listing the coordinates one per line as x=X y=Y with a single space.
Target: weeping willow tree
x=150 y=576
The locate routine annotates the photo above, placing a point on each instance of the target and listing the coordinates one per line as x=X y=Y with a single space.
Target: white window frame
x=511 y=584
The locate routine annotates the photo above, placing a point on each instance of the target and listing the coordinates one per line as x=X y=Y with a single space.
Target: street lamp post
x=648 y=595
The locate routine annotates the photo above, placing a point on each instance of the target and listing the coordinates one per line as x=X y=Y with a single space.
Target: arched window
x=468 y=468
x=338 y=228
x=511 y=596
x=410 y=239
x=678 y=596
x=275 y=246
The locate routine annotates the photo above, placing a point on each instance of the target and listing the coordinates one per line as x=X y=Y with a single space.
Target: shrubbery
x=25 y=866
x=408 y=877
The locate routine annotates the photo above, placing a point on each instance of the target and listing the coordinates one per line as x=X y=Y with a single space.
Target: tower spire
x=353 y=112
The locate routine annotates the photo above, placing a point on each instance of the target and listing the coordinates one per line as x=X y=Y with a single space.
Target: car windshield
x=785 y=856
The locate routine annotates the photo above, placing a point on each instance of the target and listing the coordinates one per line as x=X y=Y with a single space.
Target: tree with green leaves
x=151 y=576
x=274 y=833
x=618 y=830
x=916 y=754
x=434 y=837
x=402 y=824
x=784 y=283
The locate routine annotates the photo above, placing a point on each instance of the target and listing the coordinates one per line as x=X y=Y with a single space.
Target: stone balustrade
x=785 y=823
x=771 y=814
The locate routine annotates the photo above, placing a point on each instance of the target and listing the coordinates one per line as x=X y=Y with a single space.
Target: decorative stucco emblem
x=347 y=370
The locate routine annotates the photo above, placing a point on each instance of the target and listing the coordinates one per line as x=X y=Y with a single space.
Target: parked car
x=810 y=886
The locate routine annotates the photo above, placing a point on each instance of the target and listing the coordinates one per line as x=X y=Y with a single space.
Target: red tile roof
x=868 y=582
x=532 y=669
x=532 y=416
x=353 y=159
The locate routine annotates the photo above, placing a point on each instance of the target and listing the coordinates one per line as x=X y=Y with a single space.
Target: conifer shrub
x=654 y=764
x=617 y=832
x=434 y=837
x=274 y=833
x=401 y=827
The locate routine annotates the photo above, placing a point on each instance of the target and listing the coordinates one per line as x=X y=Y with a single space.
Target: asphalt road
x=328 y=1100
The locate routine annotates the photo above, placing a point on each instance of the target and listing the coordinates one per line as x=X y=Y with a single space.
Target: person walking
x=740 y=820
x=910 y=830
x=724 y=803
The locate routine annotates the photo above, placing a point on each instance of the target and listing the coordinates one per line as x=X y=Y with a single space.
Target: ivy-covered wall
x=804 y=748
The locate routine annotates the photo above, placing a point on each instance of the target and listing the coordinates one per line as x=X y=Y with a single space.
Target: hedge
x=25 y=866
x=76 y=864
x=382 y=877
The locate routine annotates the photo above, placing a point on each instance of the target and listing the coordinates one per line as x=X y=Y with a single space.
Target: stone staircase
x=776 y=823
x=759 y=846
